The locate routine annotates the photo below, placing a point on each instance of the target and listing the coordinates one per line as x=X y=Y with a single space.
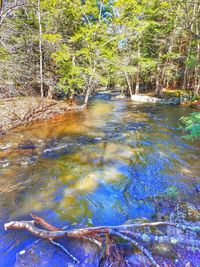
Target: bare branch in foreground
x=128 y=232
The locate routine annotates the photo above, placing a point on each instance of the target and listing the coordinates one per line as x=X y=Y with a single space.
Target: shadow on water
x=103 y=165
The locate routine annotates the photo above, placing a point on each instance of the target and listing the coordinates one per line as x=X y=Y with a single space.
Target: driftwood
x=133 y=233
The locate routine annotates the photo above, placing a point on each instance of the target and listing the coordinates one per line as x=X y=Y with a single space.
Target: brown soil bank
x=23 y=110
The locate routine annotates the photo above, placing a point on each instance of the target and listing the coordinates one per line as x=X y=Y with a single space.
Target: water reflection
x=103 y=164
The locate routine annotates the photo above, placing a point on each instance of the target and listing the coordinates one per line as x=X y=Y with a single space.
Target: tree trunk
x=137 y=87
x=40 y=51
x=1 y=10
x=50 y=92
x=197 y=68
x=185 y=75
x=87 y=96
x=129 y=84
x=157 y=90
x=88 y=91
x=1 y=6
x=184 y=85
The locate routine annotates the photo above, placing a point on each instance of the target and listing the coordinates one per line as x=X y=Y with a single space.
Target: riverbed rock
x=138 y=260
x=27 y=146
x=149 y=99
x=121 y=96
x=163 y=250
x=198 y=188
x=42 y=253
x=185 y=211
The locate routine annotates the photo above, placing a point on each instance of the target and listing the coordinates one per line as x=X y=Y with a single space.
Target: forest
x=99 y=133
x=80 y=46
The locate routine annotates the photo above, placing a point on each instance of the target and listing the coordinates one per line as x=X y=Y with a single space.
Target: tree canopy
x=133 y=45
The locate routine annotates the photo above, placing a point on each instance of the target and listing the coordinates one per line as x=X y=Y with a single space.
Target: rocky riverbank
x=173 y=97
x=150 y=99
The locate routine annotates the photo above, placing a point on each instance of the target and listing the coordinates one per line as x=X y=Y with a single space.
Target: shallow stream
x=103 y=165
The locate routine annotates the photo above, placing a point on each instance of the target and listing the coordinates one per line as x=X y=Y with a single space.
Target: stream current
x=102 y=166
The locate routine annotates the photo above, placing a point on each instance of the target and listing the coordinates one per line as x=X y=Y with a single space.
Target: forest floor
x=23 y=110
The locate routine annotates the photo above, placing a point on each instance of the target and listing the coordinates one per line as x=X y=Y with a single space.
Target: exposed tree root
x=98 y=235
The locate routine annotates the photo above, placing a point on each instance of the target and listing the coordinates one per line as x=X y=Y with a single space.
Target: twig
x=65 y=250
x=163 y=239
x=43 y=223
x=139 y=246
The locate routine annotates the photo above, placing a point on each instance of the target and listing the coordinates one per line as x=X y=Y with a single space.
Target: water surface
x=102 y=165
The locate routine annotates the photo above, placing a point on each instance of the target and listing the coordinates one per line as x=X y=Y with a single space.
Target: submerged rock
x=119 y=97
x=198 y=188
x=185 y=212
x=27 y=146
x=163 y=250
x=44 y=254
x=138 y=260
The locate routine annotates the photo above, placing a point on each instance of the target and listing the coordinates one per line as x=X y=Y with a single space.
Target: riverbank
x=24 y=110
x=155 y=100
x=169 y=97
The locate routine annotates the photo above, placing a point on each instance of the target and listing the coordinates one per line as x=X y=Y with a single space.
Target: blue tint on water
x=104 y=165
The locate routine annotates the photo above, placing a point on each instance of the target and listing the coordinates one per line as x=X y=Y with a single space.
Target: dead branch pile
x=40 y=112
x=23 y=112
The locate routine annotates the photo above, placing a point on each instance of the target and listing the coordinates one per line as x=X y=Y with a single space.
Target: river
x=103 y=165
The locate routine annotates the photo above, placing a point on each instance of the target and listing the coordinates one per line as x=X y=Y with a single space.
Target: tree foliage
x=191 y=124
x=86 y=45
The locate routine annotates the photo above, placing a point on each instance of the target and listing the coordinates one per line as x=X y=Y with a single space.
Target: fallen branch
x=163 y=239
x=66 y=251
x=135 y=243
x=128 y=232
x=44 y=224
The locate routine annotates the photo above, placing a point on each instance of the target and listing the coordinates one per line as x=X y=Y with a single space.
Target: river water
x=103 y=165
